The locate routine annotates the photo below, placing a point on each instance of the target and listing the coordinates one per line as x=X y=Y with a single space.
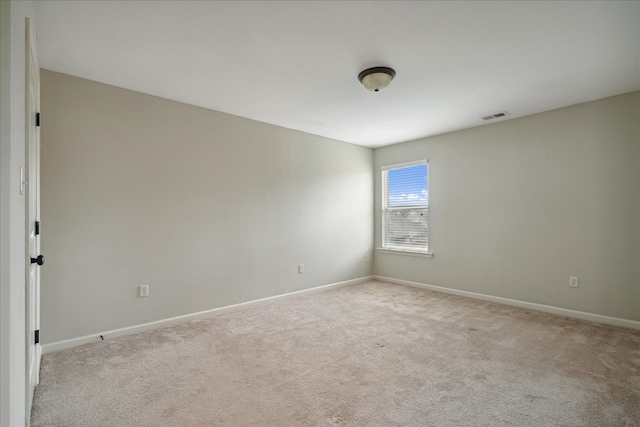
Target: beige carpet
x=373 y=354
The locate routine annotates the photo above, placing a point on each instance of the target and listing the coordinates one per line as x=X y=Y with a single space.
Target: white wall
x=208 y=208
x=519 y=206
x=12 y=214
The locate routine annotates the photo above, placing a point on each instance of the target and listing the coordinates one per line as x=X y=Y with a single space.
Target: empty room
x=320 y=213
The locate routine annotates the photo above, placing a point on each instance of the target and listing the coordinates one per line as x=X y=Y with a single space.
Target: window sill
x=405 y=252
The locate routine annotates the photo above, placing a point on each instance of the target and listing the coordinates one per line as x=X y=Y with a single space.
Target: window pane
x=408 y=186
x=406 y=228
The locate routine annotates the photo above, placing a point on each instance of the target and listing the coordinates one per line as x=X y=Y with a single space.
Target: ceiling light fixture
x=377 y=78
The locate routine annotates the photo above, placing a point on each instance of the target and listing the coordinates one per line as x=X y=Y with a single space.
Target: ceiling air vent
x=496 y=116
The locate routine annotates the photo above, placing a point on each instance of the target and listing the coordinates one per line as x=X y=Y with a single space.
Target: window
x=405 y=207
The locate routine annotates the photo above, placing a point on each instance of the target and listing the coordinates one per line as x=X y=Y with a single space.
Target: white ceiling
x=295 y=64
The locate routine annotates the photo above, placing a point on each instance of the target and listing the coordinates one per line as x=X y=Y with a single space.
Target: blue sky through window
x=408 y=186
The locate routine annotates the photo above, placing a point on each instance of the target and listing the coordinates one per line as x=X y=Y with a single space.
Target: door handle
x=39 y=260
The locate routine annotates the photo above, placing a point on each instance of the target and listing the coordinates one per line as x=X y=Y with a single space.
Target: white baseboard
x=582 y=315
x=75 y=342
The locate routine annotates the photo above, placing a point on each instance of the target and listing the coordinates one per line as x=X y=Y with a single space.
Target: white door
x=34 y=258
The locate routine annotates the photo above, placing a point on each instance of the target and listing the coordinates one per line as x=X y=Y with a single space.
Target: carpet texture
x=372 y=354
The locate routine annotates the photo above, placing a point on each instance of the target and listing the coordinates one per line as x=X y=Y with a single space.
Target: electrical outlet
x=144 y=291
x=573 y=282
x=367 y=258
x=300 y=268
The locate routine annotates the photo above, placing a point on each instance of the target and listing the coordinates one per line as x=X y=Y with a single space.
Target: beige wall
x=208 y=208
x=519 y=206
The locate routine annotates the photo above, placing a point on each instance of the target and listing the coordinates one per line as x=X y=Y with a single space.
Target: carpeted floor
x=373 y=354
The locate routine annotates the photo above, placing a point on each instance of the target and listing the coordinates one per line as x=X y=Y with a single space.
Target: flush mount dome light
x=377 y=78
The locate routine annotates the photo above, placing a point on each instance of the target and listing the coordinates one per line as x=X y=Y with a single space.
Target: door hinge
x=37 y=119
x=37 y=228
x=37 y=337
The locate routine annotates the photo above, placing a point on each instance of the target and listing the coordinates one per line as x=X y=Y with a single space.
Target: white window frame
x=386 y=248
